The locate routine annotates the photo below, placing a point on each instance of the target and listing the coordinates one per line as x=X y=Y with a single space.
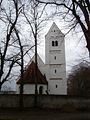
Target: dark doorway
x=41 y=90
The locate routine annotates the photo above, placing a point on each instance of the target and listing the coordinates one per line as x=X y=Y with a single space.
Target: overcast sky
x=75 y=47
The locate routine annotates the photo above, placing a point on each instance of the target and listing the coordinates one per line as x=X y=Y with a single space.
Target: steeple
x=55 y=60
x=54 y=28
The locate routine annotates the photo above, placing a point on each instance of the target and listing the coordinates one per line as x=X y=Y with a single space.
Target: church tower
x=55 y=61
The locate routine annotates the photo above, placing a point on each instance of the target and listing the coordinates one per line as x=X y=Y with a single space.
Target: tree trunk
x=21 y=97
x=21 y=86
x=0 y=86
x=87 y=36
x=36 y=92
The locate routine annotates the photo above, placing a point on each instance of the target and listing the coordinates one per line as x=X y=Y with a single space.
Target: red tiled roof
x=29 y=76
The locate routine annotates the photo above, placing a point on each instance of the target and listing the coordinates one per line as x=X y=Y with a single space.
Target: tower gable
x=53 y=30
x=54 y=45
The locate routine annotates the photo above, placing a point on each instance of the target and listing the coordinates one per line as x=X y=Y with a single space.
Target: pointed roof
x=53 y=28
x=38 y=59
x=29 y=76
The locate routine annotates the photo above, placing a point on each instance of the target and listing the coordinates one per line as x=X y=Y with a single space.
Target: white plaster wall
x=30 y=88
x=61 y=87
x=59 y=58
x=47 y=50
x=58 y=70
x=17 y=88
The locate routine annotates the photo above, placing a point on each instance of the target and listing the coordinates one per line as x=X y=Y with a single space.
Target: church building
x=51 y=78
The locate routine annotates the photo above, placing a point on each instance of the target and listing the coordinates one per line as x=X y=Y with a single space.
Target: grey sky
x=75 y=47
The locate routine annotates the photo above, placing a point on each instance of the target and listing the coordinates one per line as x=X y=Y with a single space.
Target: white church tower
x=55 y=61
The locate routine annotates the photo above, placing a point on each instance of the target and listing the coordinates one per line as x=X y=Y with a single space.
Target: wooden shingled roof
x=29 y=76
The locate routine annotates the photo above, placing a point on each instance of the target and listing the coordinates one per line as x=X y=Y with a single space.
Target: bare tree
x=78 y=80
x=8 y=17
x=1 y=2
x=13 y=47
x=78 y=12
x=22 y=67
x=35 y=18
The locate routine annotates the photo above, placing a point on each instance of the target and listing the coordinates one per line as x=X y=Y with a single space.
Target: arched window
x=41 y=90
x=56 y=43
x=55 y=57
x=55 y=70
x=56 y=86
x=52 y=43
